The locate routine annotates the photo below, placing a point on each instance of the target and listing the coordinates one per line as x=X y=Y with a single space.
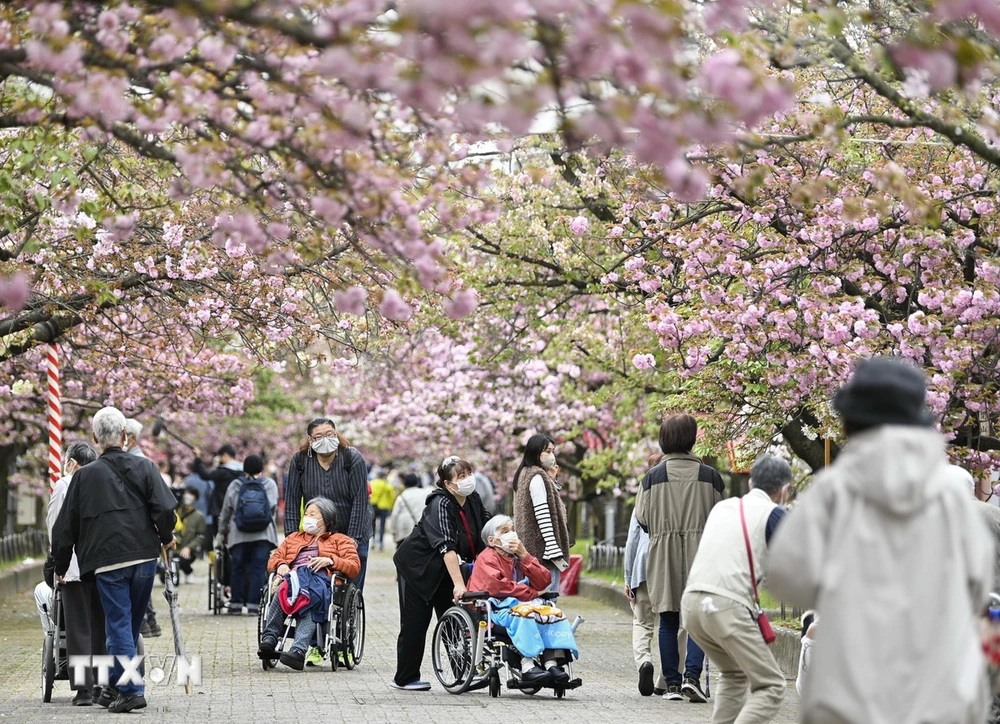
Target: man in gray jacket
x=888 y=547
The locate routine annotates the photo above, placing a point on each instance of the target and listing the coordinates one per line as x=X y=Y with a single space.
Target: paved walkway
x=236 y=689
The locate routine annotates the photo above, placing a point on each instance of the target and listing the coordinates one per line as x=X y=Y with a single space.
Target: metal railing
x=30 y=543
x=602 y=557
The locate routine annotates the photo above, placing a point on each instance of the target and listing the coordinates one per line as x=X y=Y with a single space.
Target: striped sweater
x=540 y=516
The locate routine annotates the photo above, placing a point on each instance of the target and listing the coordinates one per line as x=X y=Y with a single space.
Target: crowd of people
x=886 y=545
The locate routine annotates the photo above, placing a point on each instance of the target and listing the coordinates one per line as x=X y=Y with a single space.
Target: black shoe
x=83 y=698
x=692 y=691
x=108 y=695
x=96 y=693
x=646 y=679
x=535 y=675
x=145 y=630
x=293 y=659
x=235 y=610
x=124 y=704
x=659 y=692
x=559 y=676
x=154 y=629
x=267 y=645
x=252 y=610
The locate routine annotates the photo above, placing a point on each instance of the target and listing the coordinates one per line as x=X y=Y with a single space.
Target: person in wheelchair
x=512 y=576
x=306 y=561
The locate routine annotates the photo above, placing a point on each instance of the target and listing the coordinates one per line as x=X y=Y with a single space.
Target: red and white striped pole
x=55 y=417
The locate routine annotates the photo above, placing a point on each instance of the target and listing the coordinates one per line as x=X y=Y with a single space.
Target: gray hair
x=109 y=424
x=82 y=452
x=133 y=427
x=490 y=527
x=328 y=510
x=770 y=474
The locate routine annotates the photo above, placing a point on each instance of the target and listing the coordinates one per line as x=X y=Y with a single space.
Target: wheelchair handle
x=474 y=595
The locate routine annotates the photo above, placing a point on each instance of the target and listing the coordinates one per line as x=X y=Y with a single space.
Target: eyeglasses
x=317 y=438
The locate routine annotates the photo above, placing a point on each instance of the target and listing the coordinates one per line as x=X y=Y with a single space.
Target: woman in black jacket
x=429 y=563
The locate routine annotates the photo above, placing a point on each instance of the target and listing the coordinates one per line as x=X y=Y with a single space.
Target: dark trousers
x=414 y=619
x=670 y=658
x=84 y=619
x=185 y=563
x=359 y=582
x=248 y=565
x=381 y=516
x=124 y=595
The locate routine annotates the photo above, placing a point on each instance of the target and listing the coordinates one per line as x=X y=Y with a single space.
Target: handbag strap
x=746 y=540
x=468 y=530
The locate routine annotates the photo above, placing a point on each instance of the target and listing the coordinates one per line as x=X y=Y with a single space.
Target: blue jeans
x=363 y=555
x=670 y=624
x=305 y=627
x=125 y=594
x=556 y=575
x=248 y=565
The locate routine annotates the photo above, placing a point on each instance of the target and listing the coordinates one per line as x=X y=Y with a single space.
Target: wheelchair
x=341 y=638
x=218 y=592
x=55 y=656
x=468 y=654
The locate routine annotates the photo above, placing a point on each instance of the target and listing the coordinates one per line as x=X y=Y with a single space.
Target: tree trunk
x=812 y=452
x=8 y=461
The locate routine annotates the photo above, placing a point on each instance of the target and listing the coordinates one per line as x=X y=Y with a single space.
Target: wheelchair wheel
x=453 y=654
x=560 y=692
x=352 y=627
x=495 y=684
x=530 y=692
x=48 y=666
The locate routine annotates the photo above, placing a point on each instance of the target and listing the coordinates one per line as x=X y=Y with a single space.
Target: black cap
x=253 y=465
x=884 y=391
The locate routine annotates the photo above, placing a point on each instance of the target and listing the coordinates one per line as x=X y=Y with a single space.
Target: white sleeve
x=540 y=503
x=55 y=504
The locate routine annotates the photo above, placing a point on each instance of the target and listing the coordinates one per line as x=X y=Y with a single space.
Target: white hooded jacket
x=888 y=546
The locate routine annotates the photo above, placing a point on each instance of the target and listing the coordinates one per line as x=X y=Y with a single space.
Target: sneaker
x=108 y=695
x=235 y=610
x=314 y=657
x=267 y=645
x=83 y=698
x=144 y=629
x=293 y=659
x=646 y=679
x=659 y=692
x=673 y=693
x=124 y=704
x=412 y=686
x=96 y=693
x=692 y=691
x=154 y=631
x=253 y=610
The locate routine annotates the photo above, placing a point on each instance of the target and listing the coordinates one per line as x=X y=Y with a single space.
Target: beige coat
x=889 y=547
x=673 y=504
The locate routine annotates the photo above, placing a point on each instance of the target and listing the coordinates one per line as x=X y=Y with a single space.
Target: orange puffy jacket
x=336 y=546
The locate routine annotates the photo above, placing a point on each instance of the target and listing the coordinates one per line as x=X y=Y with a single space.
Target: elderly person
x=510 y=574
x=318 y=549
x=720 y=602
x=888 y=545
x=249 y=550
x=672 y=505
x=429 y=564
x=81 y=602
x=117 y=514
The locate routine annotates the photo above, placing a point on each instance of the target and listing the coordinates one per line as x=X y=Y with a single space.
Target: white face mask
x=465 y=486
x=188 y=499
x=70 y=469
x=310 y=525
x=326 y=446
x=506 y=539
x=547 y=460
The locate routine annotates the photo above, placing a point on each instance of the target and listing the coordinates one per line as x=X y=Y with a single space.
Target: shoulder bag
x=762 y=623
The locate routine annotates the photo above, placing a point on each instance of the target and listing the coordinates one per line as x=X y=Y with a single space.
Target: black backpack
x=253 y=512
